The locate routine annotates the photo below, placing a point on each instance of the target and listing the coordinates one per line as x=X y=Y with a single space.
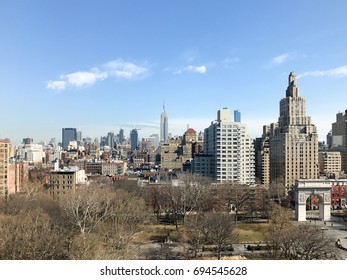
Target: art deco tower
x=163 y=127
x=294 y=141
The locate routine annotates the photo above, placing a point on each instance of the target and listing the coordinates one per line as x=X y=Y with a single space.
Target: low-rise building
x=170 y=158
x=61 y=182
x=94 y=168
x=113 y=168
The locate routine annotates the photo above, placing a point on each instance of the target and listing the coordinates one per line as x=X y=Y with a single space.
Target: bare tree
x=86 y=208
x=195 y=237
x=277 y=190
x=103 y=216
x=304 y=242
x=31 y=236
x=95 y=223
x=194 y=194
x=217 y=229
x=191 y=198
x=290 y=241
x=236 y=196
x=156 y=200
x=86 y=247
x=176 y=197
x=197 y=193
x=312 y=243
x=280 y=223
x=127 y=216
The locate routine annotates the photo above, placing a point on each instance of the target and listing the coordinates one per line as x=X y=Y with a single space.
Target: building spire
x=292 y=79
x=163 y=125
x=292 y=89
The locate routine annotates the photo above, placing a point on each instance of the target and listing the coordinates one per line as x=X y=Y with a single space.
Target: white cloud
x=195 y=69
x=280 y=59
x=337 y=72
x=199 y=69
x=117 y=69
x=79 y=79
x=56 y=85
x=122 y=69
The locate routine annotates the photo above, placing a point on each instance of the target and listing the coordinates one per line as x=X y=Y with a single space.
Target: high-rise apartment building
x=4 y=167
x=262 y=157
x=164 y=127
x=293 y=141
x=68 y=134
x=228 y=151
x=339 y=137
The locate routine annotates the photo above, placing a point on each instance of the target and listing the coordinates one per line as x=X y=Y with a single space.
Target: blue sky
x=102 y=65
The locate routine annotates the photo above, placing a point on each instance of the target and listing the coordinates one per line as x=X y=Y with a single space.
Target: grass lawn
x=248 y=232
x=157 y=233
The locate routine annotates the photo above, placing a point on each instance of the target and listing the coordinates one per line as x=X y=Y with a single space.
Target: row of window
x=52 y=182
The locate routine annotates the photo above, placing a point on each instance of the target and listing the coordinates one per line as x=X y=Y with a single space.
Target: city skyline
x=99 y=67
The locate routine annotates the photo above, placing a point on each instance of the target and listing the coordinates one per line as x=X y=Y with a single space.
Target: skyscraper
x=79 y=137
x=339 y=137
x=110 y=140
x=134 y=139
x=121 y=136
x=68 y=134
x=228 y=151
x=293 y=141
x=237 y=116
x=164 y=132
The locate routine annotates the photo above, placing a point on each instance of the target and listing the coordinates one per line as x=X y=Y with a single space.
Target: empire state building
x=163 y=127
